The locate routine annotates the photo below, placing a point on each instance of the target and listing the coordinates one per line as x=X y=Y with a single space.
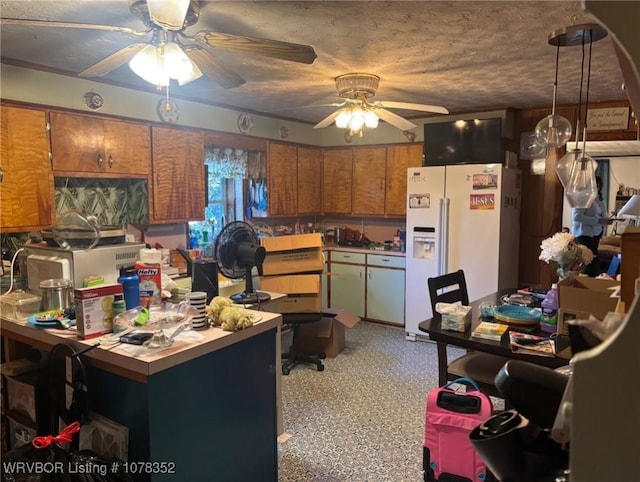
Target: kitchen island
x=206 y=408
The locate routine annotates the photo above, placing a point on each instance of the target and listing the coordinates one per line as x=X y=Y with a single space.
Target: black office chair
x=482 y=367
x=295 y=356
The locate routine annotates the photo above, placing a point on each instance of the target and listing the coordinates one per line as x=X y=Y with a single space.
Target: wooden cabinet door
x=26 y=180
x=282 y=175
x=337 y=179
x=178 y=175
x=369 y=165
x=127 y=147
x=399 y=159
x=309 y=180
x=77 y=143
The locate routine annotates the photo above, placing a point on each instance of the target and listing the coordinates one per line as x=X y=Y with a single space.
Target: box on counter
x=454 y=317
x=328 y=334
x=579 y=297
x=303 y=292
x=94 y=314
x=295 y=253
x=150 y=276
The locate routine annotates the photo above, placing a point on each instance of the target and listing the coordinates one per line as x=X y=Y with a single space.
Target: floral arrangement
x=562 y=252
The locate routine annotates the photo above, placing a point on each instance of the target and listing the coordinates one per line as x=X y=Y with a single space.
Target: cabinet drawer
x=386 y=261
x=347 y=257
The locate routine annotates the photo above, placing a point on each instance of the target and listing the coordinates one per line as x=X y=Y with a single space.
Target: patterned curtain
x=226 y=162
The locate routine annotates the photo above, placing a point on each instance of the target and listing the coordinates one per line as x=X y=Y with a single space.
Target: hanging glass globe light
x=582 y=188
x=553 y=131
x=564 y=165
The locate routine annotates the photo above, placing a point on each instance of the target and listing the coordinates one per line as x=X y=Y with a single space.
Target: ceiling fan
x=166 y=22
x=358 y=112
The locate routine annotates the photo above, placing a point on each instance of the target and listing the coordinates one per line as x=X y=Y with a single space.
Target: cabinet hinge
x=48 y=127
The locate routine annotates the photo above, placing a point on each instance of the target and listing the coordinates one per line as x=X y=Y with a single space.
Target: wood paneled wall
x=542 y=195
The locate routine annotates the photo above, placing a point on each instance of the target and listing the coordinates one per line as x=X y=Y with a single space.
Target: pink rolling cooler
x=451 y=415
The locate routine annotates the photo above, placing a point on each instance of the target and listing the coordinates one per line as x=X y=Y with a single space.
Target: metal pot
x=57 y=294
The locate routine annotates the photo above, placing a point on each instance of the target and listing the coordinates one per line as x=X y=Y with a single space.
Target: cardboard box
x=94 y=313
x=328 y=334
x=583 y=296
x=303 y=292
x=296 y=253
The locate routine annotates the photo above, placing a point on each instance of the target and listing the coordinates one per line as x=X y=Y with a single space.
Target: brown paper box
x=303 y=292
x=297 y=253
x=328 y=334
x=582 y=296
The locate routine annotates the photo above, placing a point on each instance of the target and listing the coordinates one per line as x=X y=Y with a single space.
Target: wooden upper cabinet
x=282 y=178
x=399 y=159
x=337 y=179
x=94 y=145
x=26 y=186
x=369 y=166
x=309 y=180
x=178 y=175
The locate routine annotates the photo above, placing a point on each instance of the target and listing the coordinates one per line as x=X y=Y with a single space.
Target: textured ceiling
x=465 y=56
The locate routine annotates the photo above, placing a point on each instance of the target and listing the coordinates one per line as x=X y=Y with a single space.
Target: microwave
x=76 y=265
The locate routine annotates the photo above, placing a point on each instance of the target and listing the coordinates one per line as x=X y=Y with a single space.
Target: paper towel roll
x=150 y=256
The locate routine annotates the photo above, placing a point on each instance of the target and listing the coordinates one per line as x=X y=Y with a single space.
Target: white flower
x=564 y=253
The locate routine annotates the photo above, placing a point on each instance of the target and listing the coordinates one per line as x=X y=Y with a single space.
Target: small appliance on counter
x=76 y=265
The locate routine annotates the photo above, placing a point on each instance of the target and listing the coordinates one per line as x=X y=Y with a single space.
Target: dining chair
x=481 y=367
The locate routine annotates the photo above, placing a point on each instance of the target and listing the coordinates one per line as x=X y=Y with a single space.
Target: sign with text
x=608 y=119
x=482 y=201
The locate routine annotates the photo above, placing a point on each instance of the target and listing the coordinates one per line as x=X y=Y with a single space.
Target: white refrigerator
x=463 y=216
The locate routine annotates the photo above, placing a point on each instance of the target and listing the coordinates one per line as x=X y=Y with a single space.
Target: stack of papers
x=531 y=344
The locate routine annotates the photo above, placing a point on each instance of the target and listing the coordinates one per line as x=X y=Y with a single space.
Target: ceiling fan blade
x=214 y=68
x=409 y=106
x=394 y=119
x=260 y=46
x=169 y=14
x=112 y=62
x=25 y=22
x=308 y=106
x=327 y=121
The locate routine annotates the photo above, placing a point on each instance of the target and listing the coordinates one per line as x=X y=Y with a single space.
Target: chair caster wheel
x=320 y=368
x=322 y=356
x=285 y=371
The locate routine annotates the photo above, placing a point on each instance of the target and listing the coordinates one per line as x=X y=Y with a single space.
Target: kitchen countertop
x=350 y=249
x=125 y=361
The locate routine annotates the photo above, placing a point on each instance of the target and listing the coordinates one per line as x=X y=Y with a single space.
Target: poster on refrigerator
x=485 y=181
x=482 y=201
x=419 y=201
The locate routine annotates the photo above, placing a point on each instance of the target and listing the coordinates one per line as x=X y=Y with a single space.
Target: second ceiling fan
x=166 y=22
x=358 y=112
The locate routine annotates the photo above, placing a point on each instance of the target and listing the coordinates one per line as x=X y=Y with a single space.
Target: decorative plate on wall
x=93 y=100
x=245 y=123
x=168 y=111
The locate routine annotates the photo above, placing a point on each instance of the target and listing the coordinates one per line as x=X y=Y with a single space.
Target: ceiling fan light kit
x=357 y=113
x=159 y=64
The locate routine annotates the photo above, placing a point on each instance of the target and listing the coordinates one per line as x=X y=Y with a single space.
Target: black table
x=443 y=338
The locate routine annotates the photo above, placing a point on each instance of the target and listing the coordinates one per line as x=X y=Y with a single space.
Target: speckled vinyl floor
x=362 y=419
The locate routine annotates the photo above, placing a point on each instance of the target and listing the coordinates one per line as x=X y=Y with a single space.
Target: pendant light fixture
x=554 y=130
x=576 y=169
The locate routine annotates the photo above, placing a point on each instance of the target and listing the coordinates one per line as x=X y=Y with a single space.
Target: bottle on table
x=549 y=318
x=130 y=286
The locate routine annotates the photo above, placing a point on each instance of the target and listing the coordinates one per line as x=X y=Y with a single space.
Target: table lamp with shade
x=632 y=208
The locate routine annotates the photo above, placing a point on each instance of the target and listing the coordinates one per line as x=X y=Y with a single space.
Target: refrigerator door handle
x=444 y=230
